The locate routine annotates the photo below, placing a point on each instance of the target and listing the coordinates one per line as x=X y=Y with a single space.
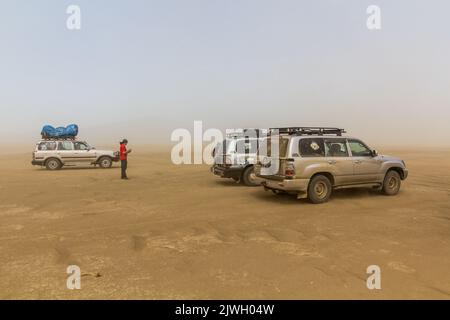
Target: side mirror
x=374 y=153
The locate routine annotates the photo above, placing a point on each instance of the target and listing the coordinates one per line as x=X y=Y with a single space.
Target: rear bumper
x=37 y=162
x=227 y=172
x=291 y=186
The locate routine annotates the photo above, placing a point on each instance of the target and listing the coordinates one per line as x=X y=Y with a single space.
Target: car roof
x=316 y=136
x=243 y=138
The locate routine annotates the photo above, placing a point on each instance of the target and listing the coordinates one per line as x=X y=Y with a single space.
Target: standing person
x=124 y=158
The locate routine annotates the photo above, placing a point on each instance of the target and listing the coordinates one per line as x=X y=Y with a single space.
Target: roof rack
x=319 y=131
x=59 y=138
x=240 y=133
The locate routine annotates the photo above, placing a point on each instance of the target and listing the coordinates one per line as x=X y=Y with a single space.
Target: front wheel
x=319 y=189
x=249 y=177
x=105 y=162
x=391 y=183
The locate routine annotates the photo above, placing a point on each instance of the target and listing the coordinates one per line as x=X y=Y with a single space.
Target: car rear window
x=312 y=147
x=246 y=146
x=282 y=146
x=47 y=146
x=225 y=146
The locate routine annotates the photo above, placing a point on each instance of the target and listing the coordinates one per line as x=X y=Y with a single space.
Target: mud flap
x=302 y=195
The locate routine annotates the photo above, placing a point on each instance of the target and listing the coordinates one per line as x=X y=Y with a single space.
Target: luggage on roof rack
x=309 y=131
x=69 y=132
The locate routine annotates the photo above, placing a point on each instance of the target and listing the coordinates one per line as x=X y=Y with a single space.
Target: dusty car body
x=314 y=161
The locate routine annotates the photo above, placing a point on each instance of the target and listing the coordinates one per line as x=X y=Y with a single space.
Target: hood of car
x=104 y=151
x=389 y=158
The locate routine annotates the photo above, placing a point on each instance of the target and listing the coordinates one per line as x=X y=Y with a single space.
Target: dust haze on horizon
x=140 y=69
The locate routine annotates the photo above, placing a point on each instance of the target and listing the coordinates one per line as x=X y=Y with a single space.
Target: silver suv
x=314 y=161
x=55 y=153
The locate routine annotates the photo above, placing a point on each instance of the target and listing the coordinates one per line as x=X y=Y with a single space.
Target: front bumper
x=116 y=156
x=405 y=174
x=227 y=172
x=290 y=186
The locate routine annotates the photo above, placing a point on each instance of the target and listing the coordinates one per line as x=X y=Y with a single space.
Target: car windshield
x=225 y=146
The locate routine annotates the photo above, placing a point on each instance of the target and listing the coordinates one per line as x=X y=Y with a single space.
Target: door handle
x=332 y=161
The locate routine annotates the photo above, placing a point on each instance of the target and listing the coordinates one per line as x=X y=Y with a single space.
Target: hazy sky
x=139 y=69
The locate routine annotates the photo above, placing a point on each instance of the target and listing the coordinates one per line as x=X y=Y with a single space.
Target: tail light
x=289 y=170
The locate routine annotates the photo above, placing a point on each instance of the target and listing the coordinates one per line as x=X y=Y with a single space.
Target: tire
x=391 y=183
x=319 y=189
x=105 y=162
x=53 y=164
x=249 y=178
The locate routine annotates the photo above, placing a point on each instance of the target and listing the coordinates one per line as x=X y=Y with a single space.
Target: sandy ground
x=179 y=232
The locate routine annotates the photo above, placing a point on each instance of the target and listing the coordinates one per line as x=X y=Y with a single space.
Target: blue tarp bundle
x=71 y=131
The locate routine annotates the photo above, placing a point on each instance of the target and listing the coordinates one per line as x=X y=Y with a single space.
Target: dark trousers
x=124 y=165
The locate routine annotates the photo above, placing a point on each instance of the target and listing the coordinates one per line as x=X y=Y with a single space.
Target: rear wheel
x=249 y=177
x=53 y=164
x=319 y=189
x=105 y=162
x=392 y=183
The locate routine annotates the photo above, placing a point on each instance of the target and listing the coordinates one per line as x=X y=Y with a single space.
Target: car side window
x=80 y=146
x=359 y=149
x=336 y=148
x=65 y=145
x=312 y=147
x=47 y=146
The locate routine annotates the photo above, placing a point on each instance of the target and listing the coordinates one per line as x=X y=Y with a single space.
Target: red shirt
x=123 y=152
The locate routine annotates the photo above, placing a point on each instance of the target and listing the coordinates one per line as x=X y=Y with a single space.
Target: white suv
x=236 y=156
x=55 y=153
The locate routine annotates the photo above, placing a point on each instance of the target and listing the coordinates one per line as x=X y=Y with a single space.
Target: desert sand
x=178 y=232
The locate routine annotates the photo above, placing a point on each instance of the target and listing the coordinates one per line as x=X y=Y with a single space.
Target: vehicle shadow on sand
x=75 y=168
x=230 y=183
x=346 y=194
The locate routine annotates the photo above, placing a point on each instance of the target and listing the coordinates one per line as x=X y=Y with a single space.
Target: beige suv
x=311 y=162
x=56 y=153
